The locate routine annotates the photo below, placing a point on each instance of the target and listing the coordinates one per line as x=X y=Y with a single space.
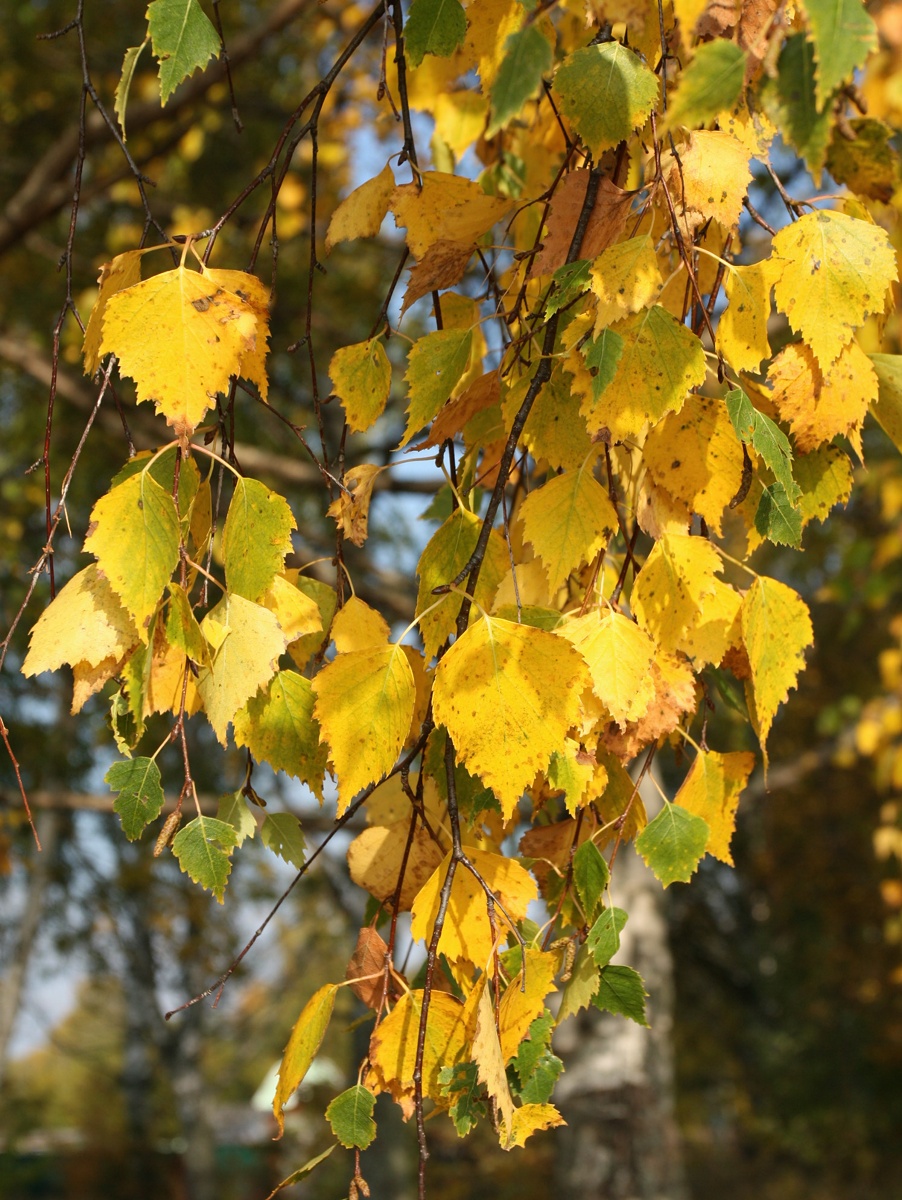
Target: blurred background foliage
x=788 y=1024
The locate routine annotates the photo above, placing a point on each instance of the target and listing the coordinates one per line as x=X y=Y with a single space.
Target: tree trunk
x=621 y=1140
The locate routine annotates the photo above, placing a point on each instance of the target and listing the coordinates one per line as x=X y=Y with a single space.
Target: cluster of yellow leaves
x=644 y=436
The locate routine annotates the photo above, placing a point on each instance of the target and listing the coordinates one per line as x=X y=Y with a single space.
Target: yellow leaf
x=697 y=457
x=673 y=586
x=84 y=623
x=352 y=508
x=460 y=119
x=255 y=294
x=507 y=695
x=375 y=858
x=88 y=680
x=308 y=1033
x=742 y=329
x=181 y=337
x=626 y=279
x=661 y=360
x=820 y=404
x=296 y=613
x=393 y=1046
x=134 y=535
x=256 y=538
x=524 y=999
x=619 y=656
x=358 y=627
x=675 y=695
x=364 y=703
x=717 y=629
x=361 y=214
x=776 y=629
x=115 y=276
x=831 y=274
x=529 y=1119
x=711 y=791
x=486 y=1051
x=555 y=432
x=568 y=520
x=249 y=641
x=825 y=477
x=446 y=208
x=710 y=179
x=467 y=931
x=361 y=379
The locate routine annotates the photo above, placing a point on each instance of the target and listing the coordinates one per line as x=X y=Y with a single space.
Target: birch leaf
x=306 y=1037
x=711 y=791
x=776 y=630
x=248 y=643
x=362 y=212
x=134 y=535
x=567 y=521
x=364 y=703
x=181 y=337
x=507 y=695
x=832 y=272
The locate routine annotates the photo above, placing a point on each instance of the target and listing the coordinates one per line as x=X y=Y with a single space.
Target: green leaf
x=256 y=538
x=282 y=833
x=278 y=727
x=601 y=356
x=604 y=937
x=527 y=57
x=184 y=39
x=777 y=518
x=673 y=843
x=234 y=810
x=434 y=27
x=791 y=105
x=134 y=535
x=606 y=91
x=123 y=87
x=582 y=986
x=571 y=280
x=434 y=367
x=351 y=1117
x=123 y=725
x=202 y=849
x=710 y=84
x=462 y=1082
x=182 y=628
x=537 y=1067
x=140 y=798
x=361 y=379
x=844 y=34
x=445 y=554
x=767 y=439
x=591 y=876
x=869 y=165
x=621 y=991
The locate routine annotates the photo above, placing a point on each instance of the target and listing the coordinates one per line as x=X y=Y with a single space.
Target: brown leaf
x=674 y=696
x=352 y=508
x=442 y=267
x=367 y=968
x=482 y=393
x=606 y=224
